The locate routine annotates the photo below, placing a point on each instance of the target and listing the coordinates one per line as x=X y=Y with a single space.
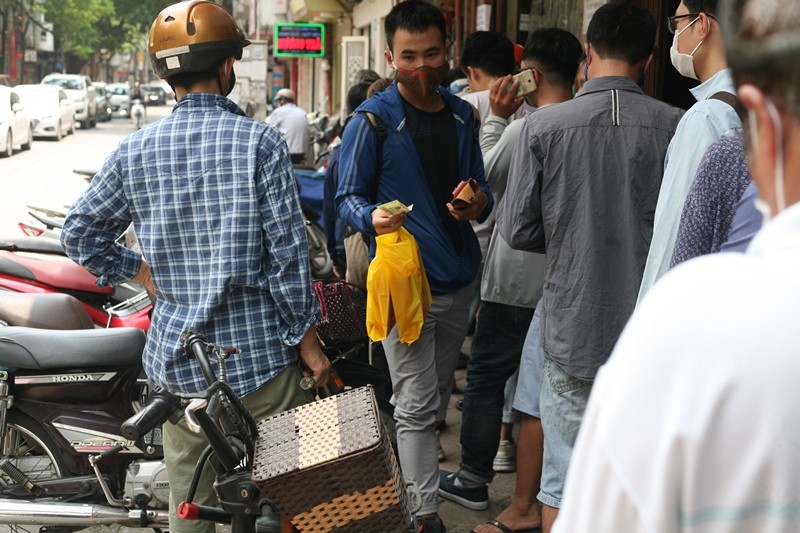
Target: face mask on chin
x=761 y=205
x=422 y=80
x=231 y=82
x=684 y=63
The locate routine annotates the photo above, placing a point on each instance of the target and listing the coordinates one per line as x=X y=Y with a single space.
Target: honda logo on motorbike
x=63 y=378
x=73 y=377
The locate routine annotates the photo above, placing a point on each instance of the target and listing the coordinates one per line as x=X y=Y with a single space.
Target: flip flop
x=505 y=529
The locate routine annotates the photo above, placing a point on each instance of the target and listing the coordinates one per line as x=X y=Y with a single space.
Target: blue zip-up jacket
x=402 y=178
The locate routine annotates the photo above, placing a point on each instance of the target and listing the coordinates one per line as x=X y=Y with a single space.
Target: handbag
x=343 y=312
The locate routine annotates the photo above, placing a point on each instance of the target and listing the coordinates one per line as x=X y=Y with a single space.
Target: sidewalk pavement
x=458 y=519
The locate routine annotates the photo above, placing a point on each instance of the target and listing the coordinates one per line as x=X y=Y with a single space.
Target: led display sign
x=299 y=40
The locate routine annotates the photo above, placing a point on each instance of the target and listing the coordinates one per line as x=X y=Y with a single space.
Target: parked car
x=15 y=123
x=154 y=94
x=119 y=98
x=80 y=90
x=102 y=97
x=51 y=110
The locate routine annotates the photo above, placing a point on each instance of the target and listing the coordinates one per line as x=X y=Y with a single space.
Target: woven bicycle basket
x=329 y=467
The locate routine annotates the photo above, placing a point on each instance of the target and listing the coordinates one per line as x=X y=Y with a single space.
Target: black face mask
x=231 y=82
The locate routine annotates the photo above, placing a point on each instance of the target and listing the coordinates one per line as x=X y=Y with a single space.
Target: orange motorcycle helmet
x=193 y=36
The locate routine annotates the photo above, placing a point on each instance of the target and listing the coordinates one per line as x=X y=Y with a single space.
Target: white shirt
x=293 y=124
x=693 y=424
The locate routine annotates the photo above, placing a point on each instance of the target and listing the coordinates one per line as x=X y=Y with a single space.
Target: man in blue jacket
x=431 y=145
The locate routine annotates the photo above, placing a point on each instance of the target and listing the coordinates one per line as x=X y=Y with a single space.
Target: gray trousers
x=416 y=371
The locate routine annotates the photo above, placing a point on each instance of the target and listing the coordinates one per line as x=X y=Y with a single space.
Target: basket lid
x=317 y=433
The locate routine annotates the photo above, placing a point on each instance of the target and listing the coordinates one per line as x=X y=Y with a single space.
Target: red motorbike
x=39 y=265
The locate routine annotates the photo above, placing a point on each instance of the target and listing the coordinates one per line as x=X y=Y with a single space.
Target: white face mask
x=684 y=63
x=780 y=197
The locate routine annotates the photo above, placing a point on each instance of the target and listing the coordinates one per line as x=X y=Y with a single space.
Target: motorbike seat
x=41 y=349
x=43 y=310
x=50 y=269
x=32 y=244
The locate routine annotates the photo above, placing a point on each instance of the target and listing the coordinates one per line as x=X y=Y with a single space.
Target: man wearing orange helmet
x=213 y=201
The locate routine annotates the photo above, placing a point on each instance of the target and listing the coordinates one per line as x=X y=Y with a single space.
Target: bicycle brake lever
x=194 y=405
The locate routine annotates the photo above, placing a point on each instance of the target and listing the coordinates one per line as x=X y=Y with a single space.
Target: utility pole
x=6 y=15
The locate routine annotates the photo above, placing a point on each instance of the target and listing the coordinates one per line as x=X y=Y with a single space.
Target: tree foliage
x=83 y=27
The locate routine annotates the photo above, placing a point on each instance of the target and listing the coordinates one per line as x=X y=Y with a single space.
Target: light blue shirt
x=703 y=123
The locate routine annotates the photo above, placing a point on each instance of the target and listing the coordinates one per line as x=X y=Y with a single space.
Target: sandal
x=505 y=529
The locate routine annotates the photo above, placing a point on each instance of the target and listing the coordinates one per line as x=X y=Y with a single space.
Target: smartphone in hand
x=527 y=84
x=464 y=194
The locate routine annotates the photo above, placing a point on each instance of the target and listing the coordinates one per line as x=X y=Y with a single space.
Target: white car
x=51 y=110
x=119 y=98
x=80 y=90
x=15 y=123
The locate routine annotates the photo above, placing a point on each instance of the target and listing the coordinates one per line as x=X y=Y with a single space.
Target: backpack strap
x=730 y=99
x=382 y=131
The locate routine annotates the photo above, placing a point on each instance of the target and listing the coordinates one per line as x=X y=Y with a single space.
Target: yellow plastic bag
x=397 y=288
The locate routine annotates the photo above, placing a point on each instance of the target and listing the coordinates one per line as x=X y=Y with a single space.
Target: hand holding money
x=389 y=217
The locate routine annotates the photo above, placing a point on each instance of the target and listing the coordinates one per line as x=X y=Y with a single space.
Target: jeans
x=496 y=349
x=563 y=400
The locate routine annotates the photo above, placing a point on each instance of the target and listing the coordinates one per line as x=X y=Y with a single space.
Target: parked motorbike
x=64 y=463
x=322 y=132
x=39 y=265
x=64 y=391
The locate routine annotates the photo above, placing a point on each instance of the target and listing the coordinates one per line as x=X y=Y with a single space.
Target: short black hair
x=186 y=80
x=556 y=52
x=489 y=51
x=701 y=6
x=413 y=16
x=356 y=95
x=622 y=30
x=366 y=74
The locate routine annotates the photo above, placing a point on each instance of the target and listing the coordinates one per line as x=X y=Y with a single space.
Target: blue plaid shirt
x=214 y=203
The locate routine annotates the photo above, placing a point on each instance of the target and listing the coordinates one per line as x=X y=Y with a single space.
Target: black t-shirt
x=435 y=138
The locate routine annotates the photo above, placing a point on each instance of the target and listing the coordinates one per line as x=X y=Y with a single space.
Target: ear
x=587 y=52
x=470 y=73
x=761 y=153
x=704 y=24
x=648 y=62
x=388 y=55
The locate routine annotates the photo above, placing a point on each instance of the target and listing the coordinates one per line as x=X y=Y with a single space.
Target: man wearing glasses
x=697 y=52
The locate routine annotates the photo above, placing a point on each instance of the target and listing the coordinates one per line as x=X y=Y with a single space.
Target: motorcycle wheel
x=321 y=263
x=32 y=451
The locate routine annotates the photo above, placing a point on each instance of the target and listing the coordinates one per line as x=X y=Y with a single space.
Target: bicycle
x=231 y=431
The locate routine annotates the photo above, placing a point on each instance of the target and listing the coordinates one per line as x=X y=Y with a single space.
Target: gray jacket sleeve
x=520 y=221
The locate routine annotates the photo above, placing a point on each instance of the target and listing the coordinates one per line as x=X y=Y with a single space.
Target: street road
x=43 y=175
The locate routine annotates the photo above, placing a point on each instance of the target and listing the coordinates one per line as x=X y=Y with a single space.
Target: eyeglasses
x=672 y=22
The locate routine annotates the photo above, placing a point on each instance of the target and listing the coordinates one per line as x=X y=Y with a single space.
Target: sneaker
x=475 y=498
x=431 y=523
x=439 y=450
x=506 y=459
